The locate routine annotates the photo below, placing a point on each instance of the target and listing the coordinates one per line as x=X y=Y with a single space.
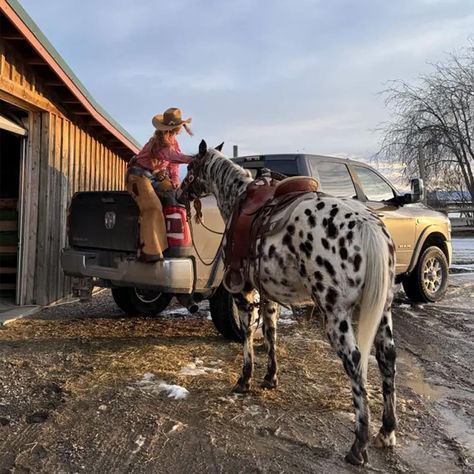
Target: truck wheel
x=138 y=302
x=428 y=281
x=225 y=315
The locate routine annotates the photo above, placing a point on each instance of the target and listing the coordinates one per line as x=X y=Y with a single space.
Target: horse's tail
x=376 y=287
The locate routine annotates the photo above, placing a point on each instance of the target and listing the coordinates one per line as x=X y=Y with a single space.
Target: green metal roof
x=33 y=27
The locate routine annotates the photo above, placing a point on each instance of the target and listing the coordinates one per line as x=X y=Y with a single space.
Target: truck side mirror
x=417 y=190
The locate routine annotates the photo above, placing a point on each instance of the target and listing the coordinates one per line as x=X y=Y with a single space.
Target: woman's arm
x=174 y=156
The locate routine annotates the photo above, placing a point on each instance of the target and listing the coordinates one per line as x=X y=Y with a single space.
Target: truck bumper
x=172 y=275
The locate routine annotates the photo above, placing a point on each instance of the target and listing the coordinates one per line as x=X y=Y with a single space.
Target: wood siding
x=63 y=156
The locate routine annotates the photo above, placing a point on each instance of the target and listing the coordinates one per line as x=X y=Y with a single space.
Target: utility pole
x=421 y=169
x=235 y=152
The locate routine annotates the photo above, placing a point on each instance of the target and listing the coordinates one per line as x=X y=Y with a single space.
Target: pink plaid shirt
x=167 y=158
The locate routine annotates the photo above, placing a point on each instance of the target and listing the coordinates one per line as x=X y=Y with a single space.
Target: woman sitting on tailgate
x=153 y=174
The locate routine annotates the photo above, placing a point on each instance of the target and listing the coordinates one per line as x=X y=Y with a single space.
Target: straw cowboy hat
x=170 y=119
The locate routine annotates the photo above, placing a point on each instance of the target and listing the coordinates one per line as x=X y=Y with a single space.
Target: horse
x=333 y=252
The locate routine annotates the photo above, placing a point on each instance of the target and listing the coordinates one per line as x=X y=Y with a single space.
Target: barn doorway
x=12 y=151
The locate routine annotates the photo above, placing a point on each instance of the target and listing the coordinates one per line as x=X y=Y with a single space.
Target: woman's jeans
x=145 y=189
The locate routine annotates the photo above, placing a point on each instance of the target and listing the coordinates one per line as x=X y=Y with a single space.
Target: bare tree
x=432 y=131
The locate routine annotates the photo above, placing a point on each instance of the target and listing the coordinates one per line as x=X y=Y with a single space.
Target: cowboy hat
x=169 y=120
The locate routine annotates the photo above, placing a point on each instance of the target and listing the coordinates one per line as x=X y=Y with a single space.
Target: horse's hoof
x=241 y=388
x=357 y=458
x=269 y=384
x=385 y=441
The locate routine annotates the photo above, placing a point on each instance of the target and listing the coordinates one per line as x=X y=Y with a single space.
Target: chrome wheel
x=147 y=296
x=432 y=275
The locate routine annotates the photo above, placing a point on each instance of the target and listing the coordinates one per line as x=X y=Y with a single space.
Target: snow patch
x=198 y=368
x=150 y=385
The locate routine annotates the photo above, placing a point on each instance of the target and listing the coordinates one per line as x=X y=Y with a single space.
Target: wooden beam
x=12 y=37
x=35 y=61
x=55 y=84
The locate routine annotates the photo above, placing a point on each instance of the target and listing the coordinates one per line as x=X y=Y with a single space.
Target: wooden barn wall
x=63 y=157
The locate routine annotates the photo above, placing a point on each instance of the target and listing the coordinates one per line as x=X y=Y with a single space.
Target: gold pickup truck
x=422 y=236
x=104 y=229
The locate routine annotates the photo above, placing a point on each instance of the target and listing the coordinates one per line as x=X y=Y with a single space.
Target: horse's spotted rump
x=322 y=255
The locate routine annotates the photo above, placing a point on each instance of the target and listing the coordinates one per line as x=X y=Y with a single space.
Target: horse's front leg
x=248 y=312
x=270 y=315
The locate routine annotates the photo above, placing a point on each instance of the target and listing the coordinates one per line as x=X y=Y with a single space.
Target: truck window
x=374 y=187
x=335 y=179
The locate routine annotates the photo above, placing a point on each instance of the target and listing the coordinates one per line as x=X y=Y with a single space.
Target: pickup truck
x=104 y=228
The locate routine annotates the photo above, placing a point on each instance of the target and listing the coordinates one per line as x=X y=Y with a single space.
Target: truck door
x=400 y=223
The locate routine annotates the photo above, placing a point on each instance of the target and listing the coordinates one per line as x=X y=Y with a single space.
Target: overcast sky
x=269 y=76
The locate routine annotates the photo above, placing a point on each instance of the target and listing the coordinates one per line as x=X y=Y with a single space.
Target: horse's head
x=194 y=185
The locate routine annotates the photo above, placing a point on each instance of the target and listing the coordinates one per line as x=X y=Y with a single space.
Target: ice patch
x=140 y=441
x=150 y=385
x=198 y=368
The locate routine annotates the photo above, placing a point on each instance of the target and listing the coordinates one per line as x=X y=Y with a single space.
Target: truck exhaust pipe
x=188 y=302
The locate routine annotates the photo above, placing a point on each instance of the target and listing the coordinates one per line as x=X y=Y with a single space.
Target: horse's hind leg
x=386 y=355
x=270 y=314
x=341 y=335
x=248 y=315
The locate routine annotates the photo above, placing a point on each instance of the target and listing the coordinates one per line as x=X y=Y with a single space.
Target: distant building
x=54 y=140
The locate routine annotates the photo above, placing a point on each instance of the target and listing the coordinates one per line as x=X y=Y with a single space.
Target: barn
x=55 y=140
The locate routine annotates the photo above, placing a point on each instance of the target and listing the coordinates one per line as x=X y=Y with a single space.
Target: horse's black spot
x=319 y=286
x=356 y=248
x=319 y=260
x=297 y=218
x=343 y=265
x=341 y=226
x=329 y=267
x=310 y=237
x=325 y=243
x=388 y=332
x=284 y=281
x=287 y=240
x=334 y=211
x=351 y=224
x=342 y=242
x=343 y=254
x=329 y=308
x=318 y=275
x=351 y=282
x=331 y=295
x=305 y=249
x=308 y=212
x=320 y=205
x=384 y=320
x=349 y=214
x=342 y=339
x=271 y=251
x=332 y=230
x=291 y=229
x=343 y=326
x=312 y=221
x=301 y=233
x=333 y=249
x=302 y=269
x=357 y=262
x=355 y=357
x=325 y=222
x=349 y=236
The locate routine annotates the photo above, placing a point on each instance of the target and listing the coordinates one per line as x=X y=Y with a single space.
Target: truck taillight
x=177 y=228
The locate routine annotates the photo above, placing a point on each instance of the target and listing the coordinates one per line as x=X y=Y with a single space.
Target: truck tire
x=136 y=302
x=428 y=281
x=225 y=315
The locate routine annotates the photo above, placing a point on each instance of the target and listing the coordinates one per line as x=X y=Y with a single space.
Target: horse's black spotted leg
x=386 y=356
x=342 y=338
x=269 y=315
x=248 y=315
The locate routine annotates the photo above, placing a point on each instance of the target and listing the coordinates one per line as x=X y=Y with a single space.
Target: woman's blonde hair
x=163 y=138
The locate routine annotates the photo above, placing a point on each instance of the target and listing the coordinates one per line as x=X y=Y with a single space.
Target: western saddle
x=252 y=218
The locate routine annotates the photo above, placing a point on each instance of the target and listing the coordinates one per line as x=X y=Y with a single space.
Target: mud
x=84 y=389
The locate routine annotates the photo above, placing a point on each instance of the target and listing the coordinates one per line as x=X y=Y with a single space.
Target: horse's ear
x=219 y=147
x=202 y=148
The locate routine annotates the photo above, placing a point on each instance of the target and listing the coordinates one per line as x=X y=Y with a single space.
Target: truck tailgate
x=104 y=220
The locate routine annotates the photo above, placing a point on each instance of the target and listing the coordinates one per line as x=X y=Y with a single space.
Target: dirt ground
x=84 y=389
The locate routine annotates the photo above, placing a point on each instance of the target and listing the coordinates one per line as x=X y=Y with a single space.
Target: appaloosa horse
x=334 y=252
